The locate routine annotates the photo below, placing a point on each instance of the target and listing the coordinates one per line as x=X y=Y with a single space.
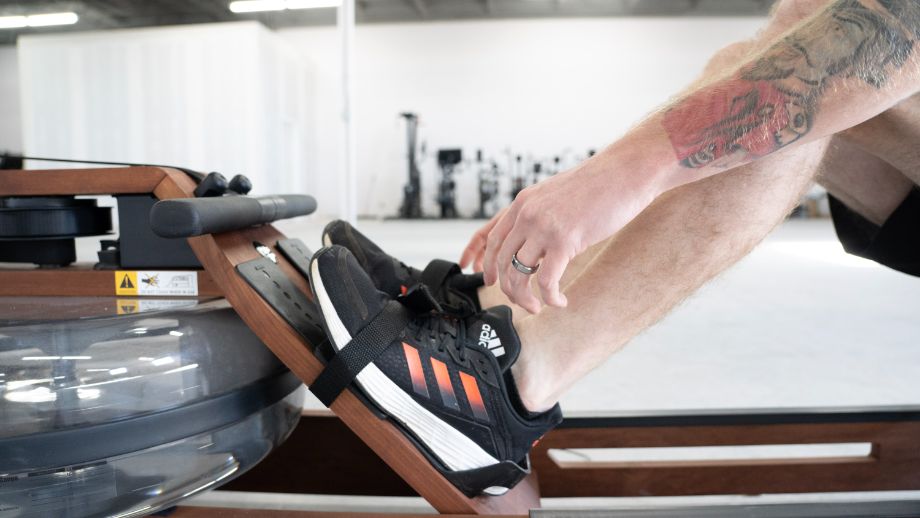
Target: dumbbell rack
x=223 y=256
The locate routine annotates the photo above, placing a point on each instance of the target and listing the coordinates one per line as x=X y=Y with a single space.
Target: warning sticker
x=126 y=283
x=161 y=284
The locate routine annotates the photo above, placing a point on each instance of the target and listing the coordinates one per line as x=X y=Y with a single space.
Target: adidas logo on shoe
x=489 y=339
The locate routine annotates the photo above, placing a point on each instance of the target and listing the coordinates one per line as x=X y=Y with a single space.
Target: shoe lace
x=442 y=330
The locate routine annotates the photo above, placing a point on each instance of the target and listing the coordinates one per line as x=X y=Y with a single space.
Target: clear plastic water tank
x=107 y=414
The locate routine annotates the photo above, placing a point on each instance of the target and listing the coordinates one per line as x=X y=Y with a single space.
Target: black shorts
x=895 y=244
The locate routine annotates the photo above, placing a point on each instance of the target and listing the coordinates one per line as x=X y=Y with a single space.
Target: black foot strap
x=420 y=300
x=364 y=348
x=436 y=273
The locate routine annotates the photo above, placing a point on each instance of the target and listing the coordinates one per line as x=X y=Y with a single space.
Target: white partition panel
x=231 y=97
x=10 y=125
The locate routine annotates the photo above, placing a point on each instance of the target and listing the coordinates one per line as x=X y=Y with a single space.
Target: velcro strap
x=364 y=348
x=437 y=272
x=420 y=300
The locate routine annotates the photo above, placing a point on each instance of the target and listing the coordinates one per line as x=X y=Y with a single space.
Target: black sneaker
x=454 y=290
x=444 y=380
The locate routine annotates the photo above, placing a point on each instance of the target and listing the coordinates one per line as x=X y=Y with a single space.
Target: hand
x=550 y=223
x=475 y=251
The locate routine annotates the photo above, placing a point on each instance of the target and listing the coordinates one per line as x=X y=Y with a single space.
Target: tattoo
x=772 y=102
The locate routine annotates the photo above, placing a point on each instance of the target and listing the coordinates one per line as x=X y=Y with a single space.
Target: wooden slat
x=893 y=465
x=792 y=461
x=219 y=512
x=80 y=280
x=174 y=184
x=69 y=182
x=75 y=308
x=345 y=466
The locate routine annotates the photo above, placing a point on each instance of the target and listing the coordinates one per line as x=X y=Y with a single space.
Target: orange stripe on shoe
x=415 y=369
x=447 y=388
x=471 y=388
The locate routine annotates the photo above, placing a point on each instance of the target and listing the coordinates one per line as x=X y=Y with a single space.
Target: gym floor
x=798 y=323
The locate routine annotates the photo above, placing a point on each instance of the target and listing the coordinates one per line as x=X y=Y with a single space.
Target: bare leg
x=785 y=13
x=493 y=295
x=684 y=239
x=865 y=183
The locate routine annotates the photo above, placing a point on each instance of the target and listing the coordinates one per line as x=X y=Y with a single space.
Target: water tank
x=115 y=407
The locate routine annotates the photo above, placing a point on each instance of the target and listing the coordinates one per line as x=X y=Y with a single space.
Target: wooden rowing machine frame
x=346 y=452
x=220 y=254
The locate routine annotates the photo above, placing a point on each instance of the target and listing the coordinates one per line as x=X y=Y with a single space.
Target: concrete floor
x=798 y=323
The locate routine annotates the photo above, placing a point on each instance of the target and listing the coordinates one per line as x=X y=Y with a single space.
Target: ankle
x=490 y=296
x=533 y=397
x=533 y=375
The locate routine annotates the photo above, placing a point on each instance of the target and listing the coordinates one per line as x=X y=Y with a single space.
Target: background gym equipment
x=412 y=192
x=488 y=187
x=448 y=159
x=518 y=177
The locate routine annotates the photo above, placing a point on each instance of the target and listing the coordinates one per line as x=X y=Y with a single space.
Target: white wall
x=229 y=97
x=10 y=122
x=534 y=87
x=538 y=87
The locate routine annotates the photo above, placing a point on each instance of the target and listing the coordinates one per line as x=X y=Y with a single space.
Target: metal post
x=348 y=186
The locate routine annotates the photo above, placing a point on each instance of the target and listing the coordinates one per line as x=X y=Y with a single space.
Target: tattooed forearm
x=772 y=102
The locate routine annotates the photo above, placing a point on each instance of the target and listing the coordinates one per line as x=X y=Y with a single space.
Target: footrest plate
x=271 y=283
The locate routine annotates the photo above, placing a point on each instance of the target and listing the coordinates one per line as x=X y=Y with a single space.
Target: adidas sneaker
x=444 y=380
x=454 y=290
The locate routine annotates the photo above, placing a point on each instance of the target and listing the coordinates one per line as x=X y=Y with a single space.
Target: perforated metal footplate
x=285 y=297
x=298 y=254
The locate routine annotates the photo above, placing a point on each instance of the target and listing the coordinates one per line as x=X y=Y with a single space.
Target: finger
x=521 y=294
x=509 y=277
x=552 y=266
x=473 y=249
x=496 y=239
x=477 y=264
x=512 y=243
x=477 y=244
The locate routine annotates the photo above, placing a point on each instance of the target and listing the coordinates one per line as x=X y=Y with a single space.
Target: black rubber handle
x=187 y=217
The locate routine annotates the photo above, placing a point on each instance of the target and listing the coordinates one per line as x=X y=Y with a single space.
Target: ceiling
x=107 y=14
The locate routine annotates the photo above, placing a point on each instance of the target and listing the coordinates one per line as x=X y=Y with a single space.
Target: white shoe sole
x=457 y=451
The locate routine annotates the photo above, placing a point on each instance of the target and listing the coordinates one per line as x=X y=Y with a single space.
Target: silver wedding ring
x=523 y=268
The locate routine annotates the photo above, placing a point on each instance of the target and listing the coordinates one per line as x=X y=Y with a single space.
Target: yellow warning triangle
x=126 y=283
